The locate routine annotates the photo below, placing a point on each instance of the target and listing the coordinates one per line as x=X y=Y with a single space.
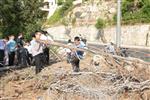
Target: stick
x=56 y=55
x=94 y=52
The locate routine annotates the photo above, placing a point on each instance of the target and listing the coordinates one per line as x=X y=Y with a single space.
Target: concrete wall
x=131 y=35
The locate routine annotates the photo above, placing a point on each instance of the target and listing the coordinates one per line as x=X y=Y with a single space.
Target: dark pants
x=22 y=56
x=124 y=53
x=75 y=64
x=18 y=56
x=46 y=54
x=11 y=58
x=38 y=63
x=2 y=58
x=30 y=58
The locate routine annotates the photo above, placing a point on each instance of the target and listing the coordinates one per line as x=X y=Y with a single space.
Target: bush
x=135 y=12
x=60 y=2
x=100 y=24
x=67 y=5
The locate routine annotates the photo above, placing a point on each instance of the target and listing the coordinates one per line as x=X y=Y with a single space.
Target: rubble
x=115 y=79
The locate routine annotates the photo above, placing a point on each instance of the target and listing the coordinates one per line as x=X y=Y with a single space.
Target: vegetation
x=20 y=16
x=60 y=2
x=100 y=24
x=135 y=11
x=73 y=21
x=61 y=12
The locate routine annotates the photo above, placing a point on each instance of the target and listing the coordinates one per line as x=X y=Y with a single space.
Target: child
x=110 y=48
x=76 y=55
x=2 y=52
x=23 y=52
x=20 y=44
x=6 y=58
x=11 y=45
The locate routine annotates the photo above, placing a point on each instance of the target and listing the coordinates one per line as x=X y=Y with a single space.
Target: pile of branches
x=122 y=75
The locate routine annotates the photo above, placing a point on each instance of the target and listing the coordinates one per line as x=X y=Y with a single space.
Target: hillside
x=87 y=12
x=96 y=21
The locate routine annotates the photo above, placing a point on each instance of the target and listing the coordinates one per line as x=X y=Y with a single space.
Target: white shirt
x=46 y=37
x=110 y=48
x=36 y=48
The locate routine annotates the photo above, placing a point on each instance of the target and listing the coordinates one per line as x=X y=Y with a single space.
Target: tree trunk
x=101 y=35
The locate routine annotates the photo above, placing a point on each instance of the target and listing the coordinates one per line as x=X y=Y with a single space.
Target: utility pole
x=118 y=30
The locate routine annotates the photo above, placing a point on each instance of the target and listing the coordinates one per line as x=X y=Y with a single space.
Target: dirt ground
x=23 y=84
x=58 y=82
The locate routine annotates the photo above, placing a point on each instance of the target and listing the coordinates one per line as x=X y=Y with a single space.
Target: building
x=50 y=6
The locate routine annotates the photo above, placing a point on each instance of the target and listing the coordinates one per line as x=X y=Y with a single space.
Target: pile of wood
x=116 y=78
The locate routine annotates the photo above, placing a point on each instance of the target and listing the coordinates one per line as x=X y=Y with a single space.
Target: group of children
x=7 y=50
x=35 y=52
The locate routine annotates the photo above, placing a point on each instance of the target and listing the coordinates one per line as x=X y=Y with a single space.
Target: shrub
x=135 y=12
x=60 y=2
x=100 y=24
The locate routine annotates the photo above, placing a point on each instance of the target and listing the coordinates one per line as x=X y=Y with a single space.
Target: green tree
x=20 y=16
x=9 y=16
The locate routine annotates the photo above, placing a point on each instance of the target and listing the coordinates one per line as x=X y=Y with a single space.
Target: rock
x=76 y=2
x=129 y=68
x=112 y=10
x=97 y=60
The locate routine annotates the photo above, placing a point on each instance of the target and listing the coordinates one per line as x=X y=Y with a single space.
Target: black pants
x=30 y=59
x=24 y=60
x=38 y=63
x=11 y=58
x=46 y=54
x=75 y=64
x=2 y=58
x=18 y=56
x=22 y=56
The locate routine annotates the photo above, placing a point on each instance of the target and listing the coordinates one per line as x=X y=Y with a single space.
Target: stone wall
x=88 y=12
x=131 y=35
